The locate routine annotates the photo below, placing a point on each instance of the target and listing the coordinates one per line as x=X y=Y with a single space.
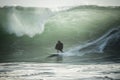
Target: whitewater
x=90 y=34
x=96 y=46
x=53 y=71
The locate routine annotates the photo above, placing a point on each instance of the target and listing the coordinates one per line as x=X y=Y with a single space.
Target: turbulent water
x=90 y=34
x=47 y=71
x=30 y=34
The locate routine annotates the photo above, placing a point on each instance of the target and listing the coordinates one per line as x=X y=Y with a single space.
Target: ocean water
x=30 y=34
x=55 y=71
x=90 y=34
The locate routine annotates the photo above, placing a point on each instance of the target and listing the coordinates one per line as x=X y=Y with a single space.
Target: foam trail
x=94 y=46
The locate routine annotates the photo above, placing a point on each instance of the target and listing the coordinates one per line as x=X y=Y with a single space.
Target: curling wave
x=109 y=42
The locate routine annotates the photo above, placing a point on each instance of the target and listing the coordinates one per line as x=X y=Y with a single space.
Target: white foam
x=26 y=22
x=53 y=71
x=97 y=45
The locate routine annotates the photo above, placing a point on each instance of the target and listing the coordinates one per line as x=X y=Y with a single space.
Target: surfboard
x=55 y=55
x=58 y=57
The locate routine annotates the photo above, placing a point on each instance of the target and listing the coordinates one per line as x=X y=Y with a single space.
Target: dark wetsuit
x=59 y=47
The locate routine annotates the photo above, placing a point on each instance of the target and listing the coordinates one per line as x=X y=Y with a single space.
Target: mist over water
x=30 y=34
x=25 y=21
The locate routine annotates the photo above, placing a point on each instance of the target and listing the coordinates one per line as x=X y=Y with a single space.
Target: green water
x=73 y=27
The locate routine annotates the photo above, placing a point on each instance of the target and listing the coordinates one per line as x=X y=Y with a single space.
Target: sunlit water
x=58 y=71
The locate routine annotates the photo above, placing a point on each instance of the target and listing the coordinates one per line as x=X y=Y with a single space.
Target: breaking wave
x=24 y=21
x=93 y=29
x=108 y=42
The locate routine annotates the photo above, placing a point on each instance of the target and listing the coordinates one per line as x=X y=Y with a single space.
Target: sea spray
x=25 y=21
x=96 y=46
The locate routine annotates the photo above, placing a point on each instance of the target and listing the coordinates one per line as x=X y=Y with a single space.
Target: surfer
x=59 y=47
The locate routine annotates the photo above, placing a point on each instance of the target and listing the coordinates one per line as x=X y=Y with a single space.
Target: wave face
x=109 y=42
x=91 y=28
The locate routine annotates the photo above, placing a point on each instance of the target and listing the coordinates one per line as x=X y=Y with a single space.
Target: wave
x=74 y=26
x=31 y=21
x=24 y=21
x=94 y=7
x=108 y=42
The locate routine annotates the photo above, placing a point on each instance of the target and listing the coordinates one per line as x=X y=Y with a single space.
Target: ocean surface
x=56 y=71
x=90 y=34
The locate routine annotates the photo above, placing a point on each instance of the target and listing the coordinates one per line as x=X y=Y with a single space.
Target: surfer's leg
x=57 y=51
x=61 y=51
